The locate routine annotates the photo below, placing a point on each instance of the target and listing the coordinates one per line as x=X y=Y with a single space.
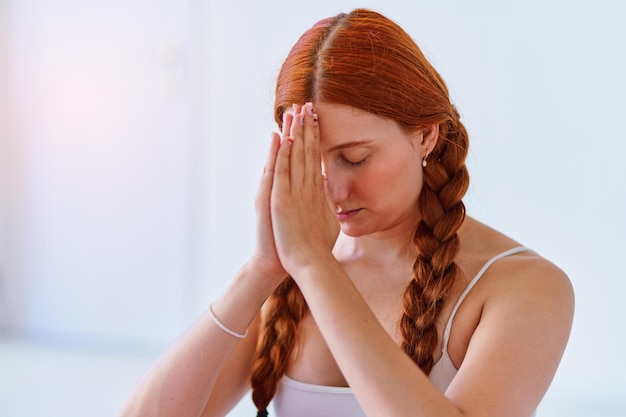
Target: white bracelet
x=226 y=329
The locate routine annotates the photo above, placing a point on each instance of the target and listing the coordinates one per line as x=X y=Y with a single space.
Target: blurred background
x=133 y=134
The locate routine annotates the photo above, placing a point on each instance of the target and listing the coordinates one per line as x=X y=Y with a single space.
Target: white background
x=132 y=136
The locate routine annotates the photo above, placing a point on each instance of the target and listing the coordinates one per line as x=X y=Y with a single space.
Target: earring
x=424 y=162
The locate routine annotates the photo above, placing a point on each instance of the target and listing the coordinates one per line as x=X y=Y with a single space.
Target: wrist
x=311 y=263
x=243 y=299
x=257 y=274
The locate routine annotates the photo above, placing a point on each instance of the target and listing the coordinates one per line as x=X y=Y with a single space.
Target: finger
x=287 y=121
x=311 y=135
x=297 y=167
x=270 y=161
x=267 y=177
x=281 y=186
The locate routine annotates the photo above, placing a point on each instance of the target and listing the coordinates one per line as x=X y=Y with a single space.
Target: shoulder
x=519 y=281
x=526 y=270
x=529 y=268
x=529 y=279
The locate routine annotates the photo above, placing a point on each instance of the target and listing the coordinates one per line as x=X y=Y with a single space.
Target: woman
x=367 y=274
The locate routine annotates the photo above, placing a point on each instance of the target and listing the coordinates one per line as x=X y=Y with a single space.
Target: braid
x=434 y=272
x=284 y=310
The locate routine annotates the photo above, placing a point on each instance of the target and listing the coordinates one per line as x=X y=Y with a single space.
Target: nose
x=338 y=183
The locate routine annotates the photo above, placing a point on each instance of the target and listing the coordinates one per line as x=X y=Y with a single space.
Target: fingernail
x=290 y=140
x=294 y=108
x=308 y=107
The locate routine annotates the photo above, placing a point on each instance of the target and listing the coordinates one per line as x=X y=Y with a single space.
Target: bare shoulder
x=522 y=310
x=522 y=290
x=530 y=273
x=523 y=274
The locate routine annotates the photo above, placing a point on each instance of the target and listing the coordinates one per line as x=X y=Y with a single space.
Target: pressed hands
x=296 y=222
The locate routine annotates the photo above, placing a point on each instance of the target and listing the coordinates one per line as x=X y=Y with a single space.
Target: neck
x=378 y=249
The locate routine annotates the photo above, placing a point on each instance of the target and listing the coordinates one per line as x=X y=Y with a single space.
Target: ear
x=425 y=139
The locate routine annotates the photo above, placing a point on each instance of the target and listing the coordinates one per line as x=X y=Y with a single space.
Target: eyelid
x=354 y=157
x=355 y=164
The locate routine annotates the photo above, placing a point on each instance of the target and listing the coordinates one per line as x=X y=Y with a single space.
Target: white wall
x=132 y=170
x=101 y=170
x=4 y=132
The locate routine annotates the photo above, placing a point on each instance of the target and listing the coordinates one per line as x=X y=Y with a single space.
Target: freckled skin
x=385 y=186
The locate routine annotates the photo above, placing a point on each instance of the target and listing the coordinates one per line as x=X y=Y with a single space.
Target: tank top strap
x=448 y=328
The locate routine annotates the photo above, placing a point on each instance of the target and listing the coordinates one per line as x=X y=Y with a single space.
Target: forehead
x=341 y=124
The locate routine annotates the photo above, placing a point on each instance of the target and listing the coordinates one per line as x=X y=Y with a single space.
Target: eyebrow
x=349 y=145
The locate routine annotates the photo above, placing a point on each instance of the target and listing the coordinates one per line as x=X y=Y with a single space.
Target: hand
x=303 y=219
x=265 y=258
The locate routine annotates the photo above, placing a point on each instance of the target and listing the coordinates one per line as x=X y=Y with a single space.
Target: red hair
x=364 y=60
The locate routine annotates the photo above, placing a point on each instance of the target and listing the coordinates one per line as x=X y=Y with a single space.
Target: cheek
x=402 y=179
x=371 y=186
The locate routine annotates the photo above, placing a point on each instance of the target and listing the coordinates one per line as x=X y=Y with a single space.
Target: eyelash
x=355 y=164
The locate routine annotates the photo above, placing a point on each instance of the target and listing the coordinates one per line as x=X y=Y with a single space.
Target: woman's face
x=373 y=168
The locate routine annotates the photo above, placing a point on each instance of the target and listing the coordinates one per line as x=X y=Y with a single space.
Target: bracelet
x=223 y=327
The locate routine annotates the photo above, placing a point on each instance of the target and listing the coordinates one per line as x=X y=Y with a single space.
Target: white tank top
x=299 y=399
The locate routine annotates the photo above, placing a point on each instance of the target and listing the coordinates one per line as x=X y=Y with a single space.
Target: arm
x=510 y=362
x=181 y=383
x=516 y=348
x=206 y=371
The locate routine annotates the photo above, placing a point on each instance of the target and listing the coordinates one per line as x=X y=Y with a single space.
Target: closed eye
x=354 y=163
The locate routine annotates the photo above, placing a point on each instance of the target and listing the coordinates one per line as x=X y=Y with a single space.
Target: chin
x=354 y=231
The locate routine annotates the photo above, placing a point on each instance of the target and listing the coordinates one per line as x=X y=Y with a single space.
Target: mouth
x=347 y=215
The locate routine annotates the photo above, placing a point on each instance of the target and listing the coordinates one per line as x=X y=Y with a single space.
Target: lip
x=347 y=215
